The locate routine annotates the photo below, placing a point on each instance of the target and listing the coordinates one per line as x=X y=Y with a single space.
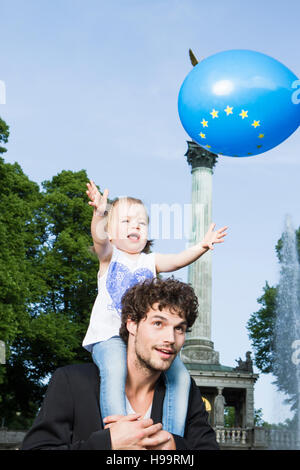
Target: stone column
x=249 y=418
x=198 y=346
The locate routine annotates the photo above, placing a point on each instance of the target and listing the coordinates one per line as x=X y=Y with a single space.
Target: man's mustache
x=171 y=350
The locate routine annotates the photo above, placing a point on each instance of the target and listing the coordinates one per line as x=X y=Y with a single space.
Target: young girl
x=120 y=239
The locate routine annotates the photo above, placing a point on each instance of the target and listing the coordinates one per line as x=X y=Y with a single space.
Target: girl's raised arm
x=100 y=237
x=171 y=262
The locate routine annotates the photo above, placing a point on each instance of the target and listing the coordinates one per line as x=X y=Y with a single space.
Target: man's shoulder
x=195 y=394
x=193 y=383
x=83 y=371
x=85 y=368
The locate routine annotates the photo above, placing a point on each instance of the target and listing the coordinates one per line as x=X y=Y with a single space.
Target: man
x=155 y=317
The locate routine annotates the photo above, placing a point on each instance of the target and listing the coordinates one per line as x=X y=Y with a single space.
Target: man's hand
x=110 y=420
x=212 y=237
x=143 y=436
x=129 y=432
x=162 y=440
x=96 y=200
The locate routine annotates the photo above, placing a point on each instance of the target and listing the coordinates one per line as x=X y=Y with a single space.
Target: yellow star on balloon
x=261 y=136
x=208 y=146
x=214 y=113
x=255 y=124
x=204 y=123
x=202 y=135
x=243 y=114
x=228 y=110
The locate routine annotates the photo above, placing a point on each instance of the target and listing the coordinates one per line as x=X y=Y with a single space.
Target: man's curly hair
x=178 y=296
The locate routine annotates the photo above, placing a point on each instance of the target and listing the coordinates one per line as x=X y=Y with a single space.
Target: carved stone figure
x=247 y=365
x=219 y=404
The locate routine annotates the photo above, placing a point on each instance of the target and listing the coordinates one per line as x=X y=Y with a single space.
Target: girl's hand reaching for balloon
x=98 y=201
x=213 y=237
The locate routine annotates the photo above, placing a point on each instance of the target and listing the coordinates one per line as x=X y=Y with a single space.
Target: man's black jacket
x=69 y=418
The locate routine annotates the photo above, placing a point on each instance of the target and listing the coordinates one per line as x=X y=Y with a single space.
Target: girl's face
x=128 y=230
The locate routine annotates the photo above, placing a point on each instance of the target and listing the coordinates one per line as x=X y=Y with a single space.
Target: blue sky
x=94 y=85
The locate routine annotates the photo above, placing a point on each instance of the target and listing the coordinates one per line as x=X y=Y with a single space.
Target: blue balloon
x=239 y=103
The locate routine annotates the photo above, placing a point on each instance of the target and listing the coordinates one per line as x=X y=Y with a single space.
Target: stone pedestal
x=199 y=350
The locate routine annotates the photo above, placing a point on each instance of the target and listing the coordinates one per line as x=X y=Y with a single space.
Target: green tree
x=258 y=418
x=4 y=134
x=69 y=272
x=229 y=417
x=261 y=329
x=48 y=282
x=20 y=236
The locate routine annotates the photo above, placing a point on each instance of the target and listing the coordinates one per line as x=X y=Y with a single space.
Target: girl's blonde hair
x=131 y=200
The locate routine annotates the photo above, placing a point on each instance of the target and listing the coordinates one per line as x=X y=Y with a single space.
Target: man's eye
x=180 y=329
x=157 y=323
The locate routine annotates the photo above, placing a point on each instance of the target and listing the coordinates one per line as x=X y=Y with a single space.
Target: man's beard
x=148 y=363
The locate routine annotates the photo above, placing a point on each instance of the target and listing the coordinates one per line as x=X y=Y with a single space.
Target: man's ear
x=131 y=326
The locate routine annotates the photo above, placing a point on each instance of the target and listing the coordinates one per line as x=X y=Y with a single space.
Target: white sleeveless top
x=121 y=274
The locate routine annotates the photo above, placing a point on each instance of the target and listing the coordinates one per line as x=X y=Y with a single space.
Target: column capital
x=198 y=156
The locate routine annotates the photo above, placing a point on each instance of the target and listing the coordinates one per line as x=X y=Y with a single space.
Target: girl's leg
x=111 y=359
x=178 y=382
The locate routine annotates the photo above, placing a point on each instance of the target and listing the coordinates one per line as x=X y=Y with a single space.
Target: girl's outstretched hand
x=96 y=200
x=212 y=237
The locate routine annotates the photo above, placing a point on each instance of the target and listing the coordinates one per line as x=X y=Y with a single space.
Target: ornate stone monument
x=220 y=385
x=198 y=345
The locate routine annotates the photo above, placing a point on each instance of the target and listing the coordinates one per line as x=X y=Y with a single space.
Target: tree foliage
x=48 y=284
x=4 y=134
x=261 y=329
x=20 y=236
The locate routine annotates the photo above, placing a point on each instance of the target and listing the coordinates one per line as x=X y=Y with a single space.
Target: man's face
x=157 y=338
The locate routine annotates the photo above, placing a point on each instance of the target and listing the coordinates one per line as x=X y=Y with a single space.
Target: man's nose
x=169 y=335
